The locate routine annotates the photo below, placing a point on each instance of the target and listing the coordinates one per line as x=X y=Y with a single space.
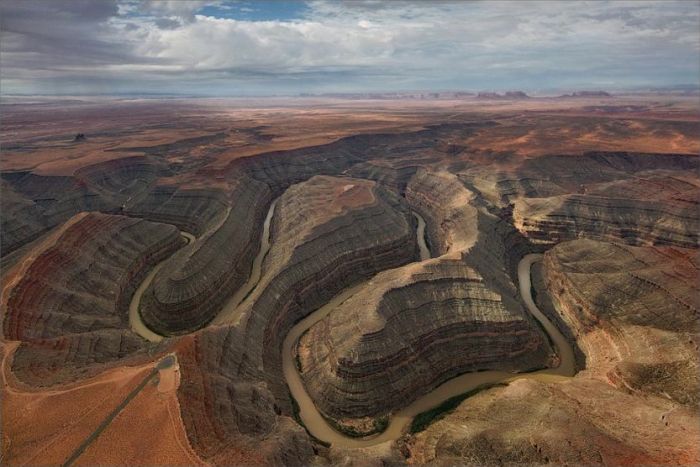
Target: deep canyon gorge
x=275 y=281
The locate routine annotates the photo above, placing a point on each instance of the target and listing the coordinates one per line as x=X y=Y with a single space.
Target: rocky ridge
x=408 y=331
x=378 y=351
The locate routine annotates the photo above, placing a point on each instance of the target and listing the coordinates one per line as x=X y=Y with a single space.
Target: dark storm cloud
x=47 y=34
x=210 y=47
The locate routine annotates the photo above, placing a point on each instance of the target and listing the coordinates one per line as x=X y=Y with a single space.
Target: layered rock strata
x=408 y=331
x=446 y=204
x=192 y=286
x=188 y=292
x=413 y=328
x=192 y=210
x=230 y=415
x=641 y=199
x=39 y=202
x=503 y=182
x=22 y=220
x=582 y=422
x=69 y=309
x=35 y=203
x=634 y=313
x=327 y=233
x=634 y=221
x=120 y=180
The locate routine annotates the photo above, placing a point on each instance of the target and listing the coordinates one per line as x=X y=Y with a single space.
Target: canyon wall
x=327 y=233
x=410 y=330
x=69 y=310
x=634 y=314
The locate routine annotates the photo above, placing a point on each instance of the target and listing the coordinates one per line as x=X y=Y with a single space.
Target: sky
x=248 y=48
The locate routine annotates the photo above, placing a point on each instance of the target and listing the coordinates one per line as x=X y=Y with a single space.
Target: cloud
x=183 y=9
x=184 y=47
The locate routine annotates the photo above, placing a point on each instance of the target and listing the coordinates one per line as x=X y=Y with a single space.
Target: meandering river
x=137 y=324
x=231 y=310
x=309 y=414
x=420 y=234
x=321 y=429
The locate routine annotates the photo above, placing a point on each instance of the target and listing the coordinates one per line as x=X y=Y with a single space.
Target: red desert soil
x=68 y=414
x=250 y=127
x=130 y=441
x=71 y=413
x=42 y=425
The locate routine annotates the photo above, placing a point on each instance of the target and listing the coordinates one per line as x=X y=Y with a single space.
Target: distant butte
x=508 y=95
x=587 y=94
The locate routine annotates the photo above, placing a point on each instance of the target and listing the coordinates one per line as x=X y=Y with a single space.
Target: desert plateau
x=366 y=295
x=304 y=274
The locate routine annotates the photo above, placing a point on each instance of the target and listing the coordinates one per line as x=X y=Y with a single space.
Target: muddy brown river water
x=309 y=414
x=399 y=421
x=231 y=310
x=137 y=324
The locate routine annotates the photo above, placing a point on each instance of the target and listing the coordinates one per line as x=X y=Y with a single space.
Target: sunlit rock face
x=193 y=285
x=608 y=192
x=642 y=302
x=639 y=199
x=634 y=313
x=412 y=328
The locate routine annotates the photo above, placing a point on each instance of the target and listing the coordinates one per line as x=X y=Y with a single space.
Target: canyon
x=483 y=280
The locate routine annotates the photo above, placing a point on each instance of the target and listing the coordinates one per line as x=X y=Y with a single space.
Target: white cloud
x=380 y=45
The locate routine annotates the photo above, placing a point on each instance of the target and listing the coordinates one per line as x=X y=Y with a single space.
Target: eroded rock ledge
x=637 y=222
x=415 y=327
x=447 y=206
x=408 y=331
x=192 y=286
x=623 y=302
x=70 y=307
x=634 y=312
x=326 y=234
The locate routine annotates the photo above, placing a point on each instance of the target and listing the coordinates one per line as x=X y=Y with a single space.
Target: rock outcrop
x=415 y=327
x=634 y=313
x=40 y=203
x=191 y=288
x=640 y=199
x=37 y=203
x=327 y=233
x=188 y=292
x=448 y=209
x=633 y=221
x=192 y=210
x=78 y=237
x=69 y=309
x=584 y=422
x=408 y=331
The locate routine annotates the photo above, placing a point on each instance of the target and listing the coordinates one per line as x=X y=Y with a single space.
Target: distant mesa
x=588 y=94
x=418 y=95
x=507 y=95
